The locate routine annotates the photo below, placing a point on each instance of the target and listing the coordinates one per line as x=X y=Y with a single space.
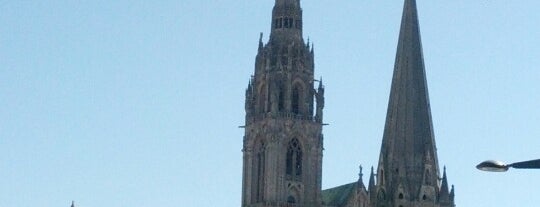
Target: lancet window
x=260 y=162
x=296 y=94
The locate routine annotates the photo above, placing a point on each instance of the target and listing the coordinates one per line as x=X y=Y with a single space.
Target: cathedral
x=283 y=141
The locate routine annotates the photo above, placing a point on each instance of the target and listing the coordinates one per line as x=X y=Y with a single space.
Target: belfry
x=282 y=152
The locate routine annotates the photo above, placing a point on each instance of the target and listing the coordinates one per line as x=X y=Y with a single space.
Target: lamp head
x=493 y=166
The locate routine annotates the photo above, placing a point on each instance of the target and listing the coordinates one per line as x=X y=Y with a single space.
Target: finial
x=361 y=179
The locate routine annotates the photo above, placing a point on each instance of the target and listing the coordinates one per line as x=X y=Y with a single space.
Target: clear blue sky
x=137 y=103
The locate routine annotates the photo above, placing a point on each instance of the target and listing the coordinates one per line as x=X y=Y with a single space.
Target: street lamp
x=498 y=166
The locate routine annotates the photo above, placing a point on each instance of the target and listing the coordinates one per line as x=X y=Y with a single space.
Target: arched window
x=294 y=158
x=287 y=22
x=260 y=162
x=278 y=23
x=291 y=23
x=296 y=97
x=382 y=195
x=281 y=101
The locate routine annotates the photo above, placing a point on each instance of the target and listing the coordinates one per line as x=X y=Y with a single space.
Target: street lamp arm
x=531 y=164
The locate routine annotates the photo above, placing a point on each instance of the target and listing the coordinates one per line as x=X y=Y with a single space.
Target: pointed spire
x=452 y=194
x=444 y=186
x=321 y=86
x=250 y=87
x=372 y=180
x=408 y=135
x=72 y=203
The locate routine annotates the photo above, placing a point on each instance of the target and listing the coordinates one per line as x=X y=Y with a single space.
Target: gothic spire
x=452 y=194
x=444 y=186
x=72 y=203
x=408 y=135
x=371 y=184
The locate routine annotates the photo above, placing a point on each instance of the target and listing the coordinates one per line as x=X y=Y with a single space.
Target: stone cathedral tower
x=283 y=141
x=408 y=171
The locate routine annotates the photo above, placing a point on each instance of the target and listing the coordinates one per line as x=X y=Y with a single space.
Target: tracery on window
x=382 y=195
x=294 y=158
